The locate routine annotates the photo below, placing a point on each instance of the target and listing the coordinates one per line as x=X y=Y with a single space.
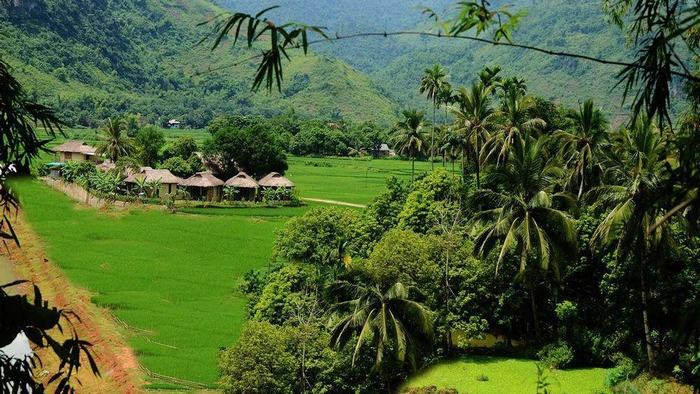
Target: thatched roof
x=242 y=180
x=106 y=166
x=274 y=179
x=151 y=175
x=203 y=179
x=75 y=147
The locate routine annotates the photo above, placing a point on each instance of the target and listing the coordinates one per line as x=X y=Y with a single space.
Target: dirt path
x=118 y=365
x=333 y=202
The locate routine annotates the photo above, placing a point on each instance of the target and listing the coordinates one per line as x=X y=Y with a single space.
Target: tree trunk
x=645 y=307
x=413 y=169
x=478 y=164
x=432 y=136
x=533 y=304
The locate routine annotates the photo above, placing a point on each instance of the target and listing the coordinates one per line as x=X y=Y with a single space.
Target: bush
x=557 y=355
x=625 y=369
x=75 y=170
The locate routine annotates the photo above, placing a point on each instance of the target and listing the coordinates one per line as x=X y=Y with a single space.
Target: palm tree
x=386 y=318
x=409 y=137
x=431 y=85
x=453 y=146
x=526 y=214
x=515 y=120
x=581 y=144
x=636 y=165
x=445 y=98
x=475 y=118
x=114 y=142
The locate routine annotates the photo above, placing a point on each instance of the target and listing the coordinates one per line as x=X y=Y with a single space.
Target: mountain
x=96 y=59
x=397 y=63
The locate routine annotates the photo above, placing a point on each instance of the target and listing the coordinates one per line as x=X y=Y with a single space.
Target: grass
x=355 y=181
x=493 y=375
x=170 y=277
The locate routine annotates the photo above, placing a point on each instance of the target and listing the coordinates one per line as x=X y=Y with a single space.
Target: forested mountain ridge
x=397 y=63
x=92 y=60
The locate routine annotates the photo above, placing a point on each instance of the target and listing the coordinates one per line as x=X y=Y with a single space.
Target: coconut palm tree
x=431 y=85
x=114 y=141
x=526 y=215
x=636 y=165
x=453 y=146
x=581 y=144
x=516 y=122
x=475 y=118
x=387 y=319
x=409 y=137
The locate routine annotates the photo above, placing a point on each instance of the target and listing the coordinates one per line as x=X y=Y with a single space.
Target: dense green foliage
x=93 y=60
x=250 y=147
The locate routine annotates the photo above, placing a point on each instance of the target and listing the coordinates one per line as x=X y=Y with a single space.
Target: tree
x=475 y=119
x=404 y=256
x=19 y=143
x=431 y=85
x=260 y=361
x=580 y=145
x=387 y=317
x=524 y=212
x=515 y=122
x=183 y=147
x=409 y=137
x=636 y=166
x=149 y=142
x=251 y=149
x=114 y=142
x=318 y=237
x=178 y=167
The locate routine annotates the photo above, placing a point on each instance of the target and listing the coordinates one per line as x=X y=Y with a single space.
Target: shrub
x=557 y=355
x=482 y=378
x=625 y=369
x=75 y=170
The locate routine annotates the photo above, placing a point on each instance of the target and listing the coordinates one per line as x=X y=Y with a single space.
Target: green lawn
x=171 y=277
x=355 y=181
x=513 y=376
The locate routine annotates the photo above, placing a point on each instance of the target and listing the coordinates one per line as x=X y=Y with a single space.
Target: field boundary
x=334 y=202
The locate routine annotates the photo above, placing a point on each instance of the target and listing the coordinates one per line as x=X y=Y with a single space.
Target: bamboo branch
x=550 y=52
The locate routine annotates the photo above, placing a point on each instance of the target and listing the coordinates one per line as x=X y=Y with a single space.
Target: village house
x=274 y=180
x=247 y=186
x=174 y=124
x=75 y=151
x=383 y=151
x=204 y=186
x=168 y=181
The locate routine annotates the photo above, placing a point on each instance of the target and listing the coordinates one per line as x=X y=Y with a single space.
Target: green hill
x=95 y=59
x=397 y=63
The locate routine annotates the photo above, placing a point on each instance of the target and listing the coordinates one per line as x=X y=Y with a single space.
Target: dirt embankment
x=118 y=365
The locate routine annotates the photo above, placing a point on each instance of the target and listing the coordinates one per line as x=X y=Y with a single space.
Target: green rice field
x=170 y=277
x=353 y=180
x=494 y=375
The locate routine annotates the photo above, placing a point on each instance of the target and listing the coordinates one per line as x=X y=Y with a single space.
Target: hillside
x=92 y=60
x=396 y=64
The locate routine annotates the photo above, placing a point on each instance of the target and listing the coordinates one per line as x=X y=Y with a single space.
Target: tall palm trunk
x=651 y=357
x=413 y=168
x=432 y=135
x=478 y=164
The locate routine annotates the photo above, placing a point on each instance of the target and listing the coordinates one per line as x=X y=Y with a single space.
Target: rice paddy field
x=170 y=277
x=494 y=375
